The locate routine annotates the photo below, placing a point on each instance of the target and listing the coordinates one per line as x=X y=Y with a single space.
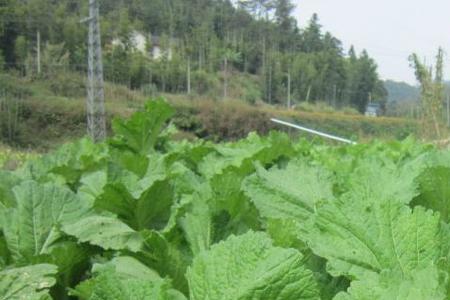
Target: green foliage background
x=254 y=37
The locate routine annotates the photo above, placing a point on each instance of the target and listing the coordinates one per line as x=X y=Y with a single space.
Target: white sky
x=389 y=29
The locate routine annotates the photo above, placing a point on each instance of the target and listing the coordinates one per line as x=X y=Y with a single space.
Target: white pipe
x=325 y=135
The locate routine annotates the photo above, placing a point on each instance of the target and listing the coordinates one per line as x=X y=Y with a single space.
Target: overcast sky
x=389 y=29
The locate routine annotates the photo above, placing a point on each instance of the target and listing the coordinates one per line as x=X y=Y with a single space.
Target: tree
x=432 y=89
x=286 y=23
x=2 y=61
x=200 y=34
x=228 y=56
x=258 y=8
x=283 y=15
x=21 y=50
x=365 y=81
x=54 y=59
x=312 y=36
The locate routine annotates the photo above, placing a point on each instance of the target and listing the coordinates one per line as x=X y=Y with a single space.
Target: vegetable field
x=143 y=216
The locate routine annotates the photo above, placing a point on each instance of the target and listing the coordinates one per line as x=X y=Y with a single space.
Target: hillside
x=230 y=60
x=192 y=46
x=44 y=116
x=401 y=92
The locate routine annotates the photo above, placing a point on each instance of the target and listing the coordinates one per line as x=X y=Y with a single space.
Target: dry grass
x=11 y=159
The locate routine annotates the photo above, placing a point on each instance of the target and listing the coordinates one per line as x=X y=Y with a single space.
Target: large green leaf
x=358 y=238
x=418 y=285
x=151 y=210
x=31 y=283
x=434 y=188
x=67 y=163
x=107 y=286
x=249 y=267
x=107 y=232
x=169 y=256
x=117 y=199
x=125 y=278
x=32 y=227
x=190 y=154
x=197 y=222
x=289 y=193
x=91 y=185
x=139 y=134
x=4 y=252
x=72 y=260
x=227 y=167
x=151 y=202
x=132 y=162
x=243 y=154
x=128 y=267
x=379 y=179
x=7 y=181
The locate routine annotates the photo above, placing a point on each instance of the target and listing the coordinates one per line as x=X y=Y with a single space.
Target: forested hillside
x=210 y=41
x=401 y=91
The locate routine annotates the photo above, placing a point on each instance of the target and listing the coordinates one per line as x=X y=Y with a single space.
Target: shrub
x=149 y=90
x=204 y=83
x=67 y=85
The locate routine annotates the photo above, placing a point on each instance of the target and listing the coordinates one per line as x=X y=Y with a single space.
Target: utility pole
x=289 y=90
x=448 y=110
x=38 y=50
x=308 y=94
x=189 y=75
x=225 y=78
x=334 y=96
x=270 y=84
x=95 y=103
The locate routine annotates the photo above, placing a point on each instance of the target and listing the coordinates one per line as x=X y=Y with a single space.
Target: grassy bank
x=233 y=119
x=51 y=113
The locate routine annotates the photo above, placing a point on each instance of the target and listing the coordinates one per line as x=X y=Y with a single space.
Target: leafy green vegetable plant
x=143 y=216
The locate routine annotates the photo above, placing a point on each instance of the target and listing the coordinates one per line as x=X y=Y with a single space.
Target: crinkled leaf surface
x=249 y=267
x=70 y=258
x=31 y=282
x=377 y=179
x=418 y=285
x=33 y=226
x=244 y=153
x=358 y=238
x=67 y=163
x=233 y=212
x=290 y=193
x=125 y=278
x=197 y=222
x=434 y=187
x=107 y=286
x=227 y=167
x=169 y=257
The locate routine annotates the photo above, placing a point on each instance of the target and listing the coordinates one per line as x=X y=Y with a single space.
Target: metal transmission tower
x=95 y=92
